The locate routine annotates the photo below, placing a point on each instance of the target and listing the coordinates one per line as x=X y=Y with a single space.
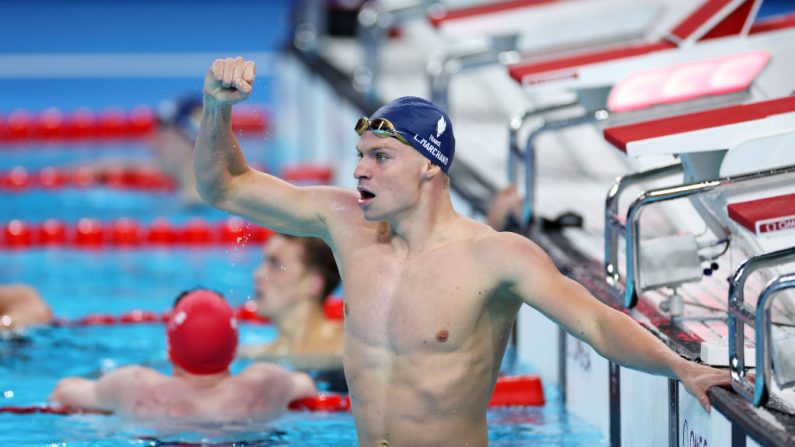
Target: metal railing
x=612 y=222
x=540 y=125
x=631 y=228
x=375 y=20
x=741 y=313
x=443 y=66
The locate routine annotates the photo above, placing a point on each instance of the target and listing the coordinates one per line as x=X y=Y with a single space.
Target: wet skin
x=431 y=295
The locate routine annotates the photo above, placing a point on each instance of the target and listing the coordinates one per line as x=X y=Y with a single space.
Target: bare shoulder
x=339 y=209
x=137 y=371
x=132 y=374
x=263 y=371
x=511 y=253
x=501 y=243
x=266 y=379
x=119 y=388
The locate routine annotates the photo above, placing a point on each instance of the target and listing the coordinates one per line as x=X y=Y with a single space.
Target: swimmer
x=22 y=306
x=430 y=295
x=292 y=282
x=505 y=210
x=172 y=144
x=202 y=339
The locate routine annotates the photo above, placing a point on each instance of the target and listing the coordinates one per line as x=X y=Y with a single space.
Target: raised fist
x=229 y=80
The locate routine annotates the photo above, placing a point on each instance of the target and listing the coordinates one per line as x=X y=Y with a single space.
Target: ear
x=316 y=283
x=431 y=171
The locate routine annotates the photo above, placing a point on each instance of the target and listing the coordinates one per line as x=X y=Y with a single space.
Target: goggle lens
x=381 y=127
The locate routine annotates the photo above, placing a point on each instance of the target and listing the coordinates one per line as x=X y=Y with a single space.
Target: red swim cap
x=202 y=333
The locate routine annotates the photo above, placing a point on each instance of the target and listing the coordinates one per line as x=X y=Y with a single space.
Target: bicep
x=281 y=206
x=541 y=285
x=570 y=305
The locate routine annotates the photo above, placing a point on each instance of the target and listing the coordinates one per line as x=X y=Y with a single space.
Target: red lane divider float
x=130 y=177
x=19 y=179
x=247 y=312
x=510 y=391
x=522 y=391
x=21 y=126
x=525 y=390
x=322 y=402
x=308 y=174
x=124 y=232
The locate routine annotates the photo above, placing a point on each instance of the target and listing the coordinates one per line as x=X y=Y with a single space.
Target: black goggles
x=380 y=127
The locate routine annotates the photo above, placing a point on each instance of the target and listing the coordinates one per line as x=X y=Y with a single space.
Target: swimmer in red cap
x=202 y=339
x=202 y=333
x=22 y=306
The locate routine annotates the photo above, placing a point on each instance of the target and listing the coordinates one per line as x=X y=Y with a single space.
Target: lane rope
x=20 y=179
x=333 y=307
x=140 y=178
x=510 y=391
x=90 y=233
x=53 y=124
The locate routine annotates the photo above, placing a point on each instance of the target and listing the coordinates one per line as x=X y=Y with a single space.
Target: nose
x=362 y=171
x=261 y=272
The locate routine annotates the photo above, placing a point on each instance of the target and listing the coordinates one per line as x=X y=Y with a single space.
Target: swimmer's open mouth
x=365 y=195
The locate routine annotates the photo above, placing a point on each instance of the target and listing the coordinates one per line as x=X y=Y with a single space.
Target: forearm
x=624 y=341
x=76 y=392
x=217 y=158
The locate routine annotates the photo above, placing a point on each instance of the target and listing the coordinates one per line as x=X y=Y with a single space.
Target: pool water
x=77 y=282
x=80 y=282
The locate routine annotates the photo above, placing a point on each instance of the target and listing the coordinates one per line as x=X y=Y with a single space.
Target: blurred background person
x=173 y=141
x=295 y=277
x=202 y=340
x=21 y=306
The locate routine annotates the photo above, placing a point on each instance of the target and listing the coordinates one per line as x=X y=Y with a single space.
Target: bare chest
x=431 y=302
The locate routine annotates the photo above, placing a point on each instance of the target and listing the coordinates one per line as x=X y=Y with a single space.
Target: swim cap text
x=432 y=150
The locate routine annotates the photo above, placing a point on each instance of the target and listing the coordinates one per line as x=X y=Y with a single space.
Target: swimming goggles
x=381 y=127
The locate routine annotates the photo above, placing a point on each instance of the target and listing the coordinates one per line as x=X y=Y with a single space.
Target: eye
x=359 y=155
x=381 y=157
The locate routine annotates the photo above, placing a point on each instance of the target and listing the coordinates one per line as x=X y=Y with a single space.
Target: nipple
x=442 y=335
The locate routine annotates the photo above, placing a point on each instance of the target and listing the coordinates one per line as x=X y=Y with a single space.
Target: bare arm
x=303 y=386
x=613 y=334
x=76 y=392
x=21 y=305
x=224 y=178
x=113 y=391
x=279 y=384
x=119 y=389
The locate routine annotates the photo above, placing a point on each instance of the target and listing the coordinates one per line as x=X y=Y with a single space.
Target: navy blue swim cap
x=424 y=125
x=183 y=113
